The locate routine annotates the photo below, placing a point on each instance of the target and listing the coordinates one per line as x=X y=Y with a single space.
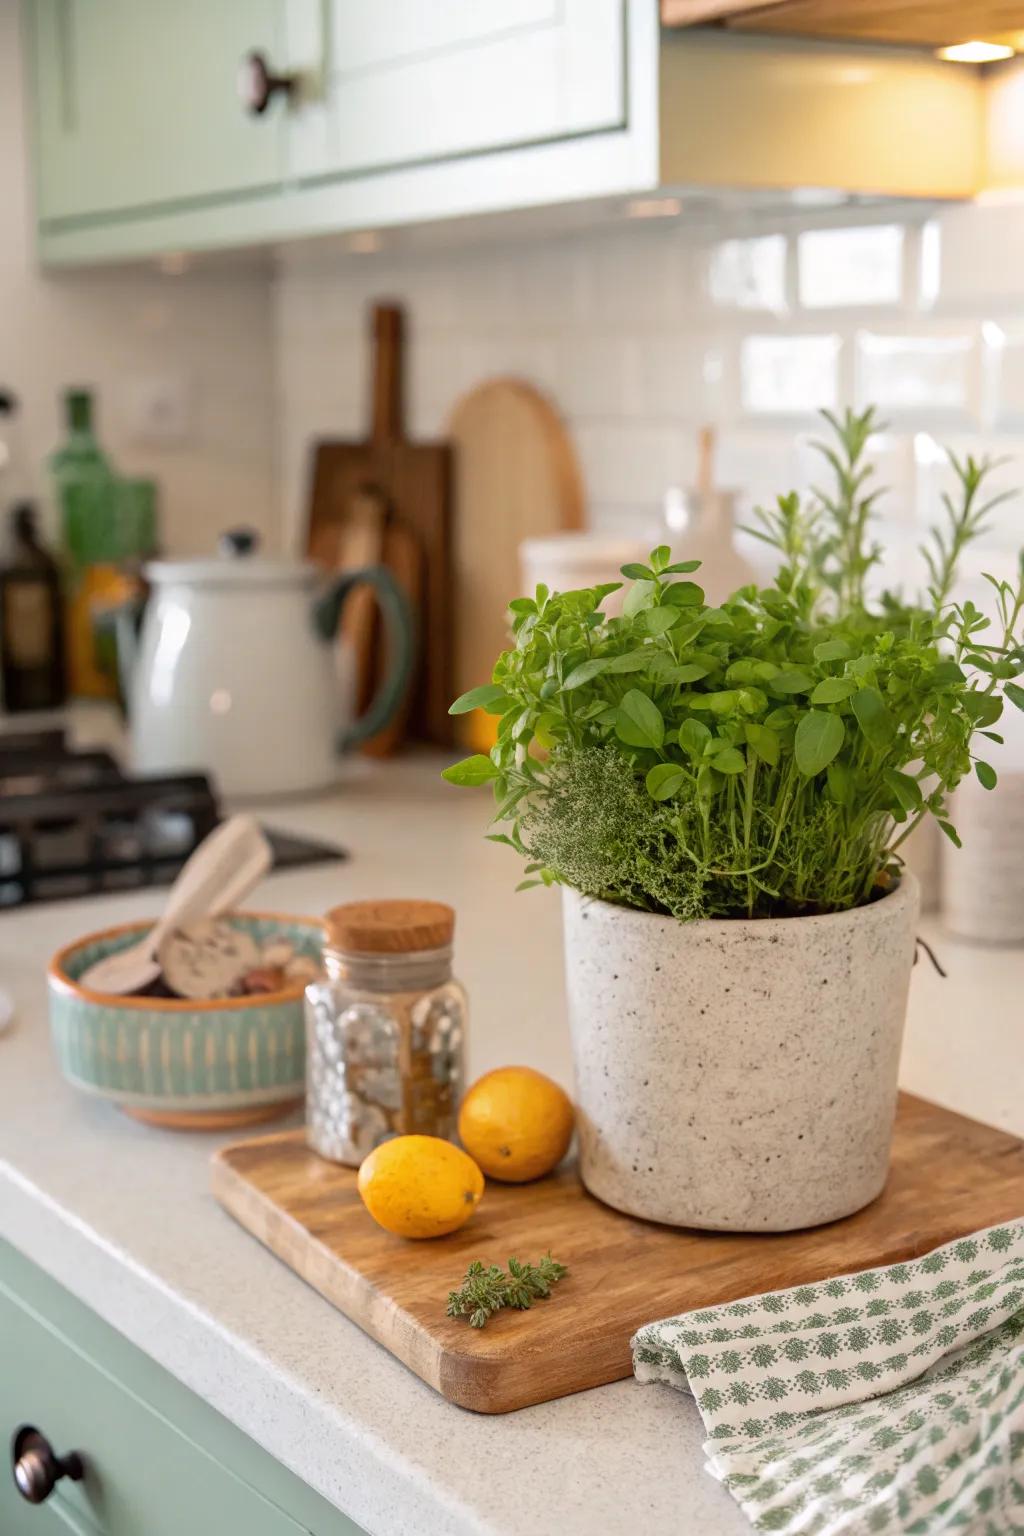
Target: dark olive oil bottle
x=31 y=619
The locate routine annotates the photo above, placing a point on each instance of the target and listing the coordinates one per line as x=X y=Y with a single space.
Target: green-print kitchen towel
x=886 y=1401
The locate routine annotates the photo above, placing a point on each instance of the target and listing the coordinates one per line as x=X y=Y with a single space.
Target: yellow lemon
x=516 y=1123
x=420 y=1186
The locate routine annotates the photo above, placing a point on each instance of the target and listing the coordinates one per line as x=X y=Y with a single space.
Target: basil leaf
x=791 y=681
x=665 y=780
x=472 y=770
x=638 y=721
x=764 y=743
x=987 y=775
x=584 y=672
x=831 y=690
x=683 y=594
x=982 y=708
x=952 y=833
x=729 y=760
x=485 y=697
x=832 y=650
x=906 y=789
x=873 y=717
x=694 y=737
x=819 y=736
x=640 y=596
x=657 y=620
x=631 y=661
x=637 y=572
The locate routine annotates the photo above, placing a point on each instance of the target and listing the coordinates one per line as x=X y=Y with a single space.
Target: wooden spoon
x=222 y=870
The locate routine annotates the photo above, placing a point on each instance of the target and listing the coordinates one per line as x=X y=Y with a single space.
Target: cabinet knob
x=36 y=1468
x=258 y=85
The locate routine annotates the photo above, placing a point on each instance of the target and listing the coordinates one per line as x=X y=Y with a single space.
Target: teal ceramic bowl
x=178 y=1063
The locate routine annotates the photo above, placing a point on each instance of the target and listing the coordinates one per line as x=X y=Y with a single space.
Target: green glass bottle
x=80 y=453
x=83 y=480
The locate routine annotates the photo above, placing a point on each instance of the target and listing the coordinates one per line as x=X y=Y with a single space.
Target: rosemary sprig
x=487 y=1288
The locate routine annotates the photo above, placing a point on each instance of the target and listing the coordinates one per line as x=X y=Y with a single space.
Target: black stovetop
x=73 y=824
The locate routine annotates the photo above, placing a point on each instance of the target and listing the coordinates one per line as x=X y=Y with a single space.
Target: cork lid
x=389 y=927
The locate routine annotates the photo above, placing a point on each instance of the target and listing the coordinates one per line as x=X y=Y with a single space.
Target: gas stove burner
x=72 y=824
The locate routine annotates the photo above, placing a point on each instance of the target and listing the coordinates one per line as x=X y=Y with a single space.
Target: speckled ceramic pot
x=184 y=1065
x=738 y=1076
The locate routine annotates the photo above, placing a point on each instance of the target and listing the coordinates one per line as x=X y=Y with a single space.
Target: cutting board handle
x=387 y=423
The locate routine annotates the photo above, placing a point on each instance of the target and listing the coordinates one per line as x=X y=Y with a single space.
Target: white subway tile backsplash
x=929 y=264
x=641 y=334
x=841 y=267
x=600 y=376
x=749 y=274
x=789 y=375
x=641 y=279
x=634 y=465
x=981 y=257
x=1004 y=360
x=921 y=376
x=681 y=376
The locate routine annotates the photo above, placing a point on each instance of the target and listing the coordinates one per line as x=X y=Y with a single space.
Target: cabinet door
x=158 y=1462
x=137 y=104
x=408 y=82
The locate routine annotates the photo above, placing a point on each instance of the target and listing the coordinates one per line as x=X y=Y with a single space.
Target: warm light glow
x=653 y=208
x=975 y=52
x=365 y=242
x=174 y=263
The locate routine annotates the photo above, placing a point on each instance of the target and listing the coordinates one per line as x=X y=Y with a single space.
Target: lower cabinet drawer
x=157 y=1461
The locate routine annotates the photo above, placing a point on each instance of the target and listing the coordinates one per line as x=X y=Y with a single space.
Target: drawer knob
x=258 y=85
x=36 y=1468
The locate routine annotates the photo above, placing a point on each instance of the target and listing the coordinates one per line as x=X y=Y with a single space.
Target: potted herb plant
x=724 y=792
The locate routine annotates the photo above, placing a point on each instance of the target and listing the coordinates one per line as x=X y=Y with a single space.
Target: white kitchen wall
x=642 y=332
x=207 y=332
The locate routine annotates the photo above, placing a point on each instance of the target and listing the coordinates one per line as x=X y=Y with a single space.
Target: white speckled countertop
x=122 y=1215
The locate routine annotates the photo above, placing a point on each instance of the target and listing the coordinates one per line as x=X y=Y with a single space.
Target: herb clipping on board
x=767 y=757
x=487 y=1288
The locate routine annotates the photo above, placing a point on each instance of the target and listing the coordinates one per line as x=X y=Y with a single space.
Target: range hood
x=845 y=94
x=769 y=112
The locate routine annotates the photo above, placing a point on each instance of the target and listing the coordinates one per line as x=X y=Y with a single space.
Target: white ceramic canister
x=738 y=1075
x=567 y=561
x=983 y=882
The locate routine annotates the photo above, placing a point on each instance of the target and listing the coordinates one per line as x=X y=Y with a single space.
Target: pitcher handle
x=398 y=625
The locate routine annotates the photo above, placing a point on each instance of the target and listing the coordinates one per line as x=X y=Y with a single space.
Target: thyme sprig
x=487 y=1288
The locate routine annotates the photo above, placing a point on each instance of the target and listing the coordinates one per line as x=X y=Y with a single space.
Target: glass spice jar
x=385 y=1032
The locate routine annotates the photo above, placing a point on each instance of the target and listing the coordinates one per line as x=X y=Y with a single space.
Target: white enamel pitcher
x=236 y=670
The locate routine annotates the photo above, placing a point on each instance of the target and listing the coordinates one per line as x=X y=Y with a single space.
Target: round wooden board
x=516 y=477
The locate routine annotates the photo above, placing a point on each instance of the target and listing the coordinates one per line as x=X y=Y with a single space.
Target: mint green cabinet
x=400 y=111
x=406 y=83
x=136 y=104
x=158 y=1462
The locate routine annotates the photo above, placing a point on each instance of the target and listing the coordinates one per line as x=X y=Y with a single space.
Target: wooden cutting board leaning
x=949 y=1176
x=388 y=499
x=516 y=477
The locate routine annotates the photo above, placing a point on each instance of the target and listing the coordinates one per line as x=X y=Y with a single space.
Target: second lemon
x=516 y=1124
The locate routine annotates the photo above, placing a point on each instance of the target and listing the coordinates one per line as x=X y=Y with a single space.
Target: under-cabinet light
x=976 y=52
x=365 y=242
x=653 y=208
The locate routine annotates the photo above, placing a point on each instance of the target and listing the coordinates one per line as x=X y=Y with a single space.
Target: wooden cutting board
x=516 y=477
x=949 y=1176
x=413 y=481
